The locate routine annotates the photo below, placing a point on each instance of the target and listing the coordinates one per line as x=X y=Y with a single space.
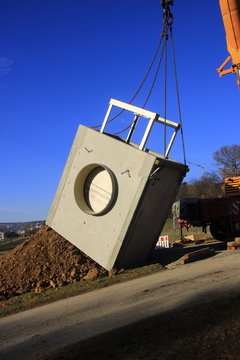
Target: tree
x=11 y=234
x=227 y=159
x=208 y=186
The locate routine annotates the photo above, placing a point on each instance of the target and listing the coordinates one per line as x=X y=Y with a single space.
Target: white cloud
x=5 y=65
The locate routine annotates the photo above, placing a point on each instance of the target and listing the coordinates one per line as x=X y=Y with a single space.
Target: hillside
x=16 y=226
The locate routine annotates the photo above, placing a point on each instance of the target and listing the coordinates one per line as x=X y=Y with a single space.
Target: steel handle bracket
x=139 y=112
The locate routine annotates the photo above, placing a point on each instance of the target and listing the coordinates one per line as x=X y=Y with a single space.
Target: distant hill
x=9 y=227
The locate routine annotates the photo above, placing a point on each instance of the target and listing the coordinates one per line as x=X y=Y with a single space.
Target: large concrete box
x=113 y=199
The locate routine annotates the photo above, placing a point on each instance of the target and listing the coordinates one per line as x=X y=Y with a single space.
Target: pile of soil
x=45 y=260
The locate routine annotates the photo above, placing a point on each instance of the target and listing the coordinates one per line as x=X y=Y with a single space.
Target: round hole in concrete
x=95 y=189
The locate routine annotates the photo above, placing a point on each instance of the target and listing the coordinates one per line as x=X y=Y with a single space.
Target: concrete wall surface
x=108 y=204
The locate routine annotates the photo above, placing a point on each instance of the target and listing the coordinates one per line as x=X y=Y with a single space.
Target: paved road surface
x=39 y=331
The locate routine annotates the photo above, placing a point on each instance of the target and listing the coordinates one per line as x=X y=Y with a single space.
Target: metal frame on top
x=139 y=112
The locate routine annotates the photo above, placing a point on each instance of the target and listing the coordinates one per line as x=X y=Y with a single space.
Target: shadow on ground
x=166 y=256
x=208 y=331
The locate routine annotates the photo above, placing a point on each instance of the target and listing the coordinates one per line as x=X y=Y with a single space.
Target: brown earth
x=45 y=260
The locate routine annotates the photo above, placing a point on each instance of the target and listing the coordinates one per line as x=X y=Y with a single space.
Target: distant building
x=21 y=232
x=38 y=225
x=32 y=228
x=2 y=237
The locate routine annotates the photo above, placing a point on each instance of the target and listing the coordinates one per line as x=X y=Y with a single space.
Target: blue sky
x=62 y=60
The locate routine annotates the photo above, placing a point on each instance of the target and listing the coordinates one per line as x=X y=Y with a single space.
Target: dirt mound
x=45 y=260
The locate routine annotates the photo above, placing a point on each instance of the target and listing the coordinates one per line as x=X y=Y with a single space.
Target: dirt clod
x=112 y=272
x=92 y=274
x=45 y=260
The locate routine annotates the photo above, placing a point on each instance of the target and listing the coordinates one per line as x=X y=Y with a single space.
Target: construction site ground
x=187 y=311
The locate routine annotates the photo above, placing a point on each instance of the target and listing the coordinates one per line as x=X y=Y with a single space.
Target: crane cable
x=178 y=96
x=140 y=86
x=167 y=27
x=165 y=20
x=151 y=88
x=168 y=21
x=163 y=51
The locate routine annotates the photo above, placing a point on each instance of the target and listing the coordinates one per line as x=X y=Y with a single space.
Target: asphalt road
x=40 y=331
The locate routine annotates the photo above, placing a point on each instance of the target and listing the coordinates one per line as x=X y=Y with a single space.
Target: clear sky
x=62 y=60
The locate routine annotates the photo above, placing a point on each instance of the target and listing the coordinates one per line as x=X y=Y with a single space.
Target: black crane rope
x=163 y=39
x=142 y=82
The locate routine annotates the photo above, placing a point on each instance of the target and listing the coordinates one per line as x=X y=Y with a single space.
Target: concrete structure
x=114 y=196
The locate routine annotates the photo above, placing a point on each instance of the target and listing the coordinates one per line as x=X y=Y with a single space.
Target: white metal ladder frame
x=139 y=112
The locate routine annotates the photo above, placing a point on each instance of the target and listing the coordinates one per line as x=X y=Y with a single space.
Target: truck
x=222 y=214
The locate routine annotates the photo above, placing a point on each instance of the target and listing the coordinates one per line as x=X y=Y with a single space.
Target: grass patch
x=31 y=300
x=10 y=244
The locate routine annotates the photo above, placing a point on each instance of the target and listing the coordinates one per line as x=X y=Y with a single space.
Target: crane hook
x=167 y=15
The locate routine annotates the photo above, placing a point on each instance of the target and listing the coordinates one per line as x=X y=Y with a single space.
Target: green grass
x=31 y=300
x=9 y=244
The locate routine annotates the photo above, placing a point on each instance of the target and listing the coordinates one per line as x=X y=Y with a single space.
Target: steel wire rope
x=165 y=89
x=163 y=54
x=141 y=84
x=156 y=74
x=153 y=83
x=121 y=131
x=168 y=21
x=178 y=95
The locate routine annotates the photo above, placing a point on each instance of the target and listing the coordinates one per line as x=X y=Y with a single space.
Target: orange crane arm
x=230 y=10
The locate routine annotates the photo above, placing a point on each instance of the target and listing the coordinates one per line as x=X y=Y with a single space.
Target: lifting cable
x=150 y=91
x=165 y=84
x=178 y=96
x=168 y=21
x=141 y=84
x=167 y=28
x=163 y=51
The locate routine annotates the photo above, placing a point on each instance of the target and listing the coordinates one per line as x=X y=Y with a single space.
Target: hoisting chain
x=140 y=86
x=178 y=95
x=157 y=70
x=165 y=86
x=153 y=82
x=165 y=37
x=168 y=21
x=167 y=28
x=167 y=15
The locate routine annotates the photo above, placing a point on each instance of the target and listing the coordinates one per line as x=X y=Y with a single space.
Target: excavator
x=222 y=215
x=230 y=10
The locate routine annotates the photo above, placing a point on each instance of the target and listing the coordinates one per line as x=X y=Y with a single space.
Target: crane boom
x=230 y=10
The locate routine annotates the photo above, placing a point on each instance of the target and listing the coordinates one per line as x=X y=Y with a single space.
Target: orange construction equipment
x=230 y=10
x=232 y=186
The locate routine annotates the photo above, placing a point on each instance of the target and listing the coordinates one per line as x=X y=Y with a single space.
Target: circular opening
x=98 y=189
x=95 y=189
